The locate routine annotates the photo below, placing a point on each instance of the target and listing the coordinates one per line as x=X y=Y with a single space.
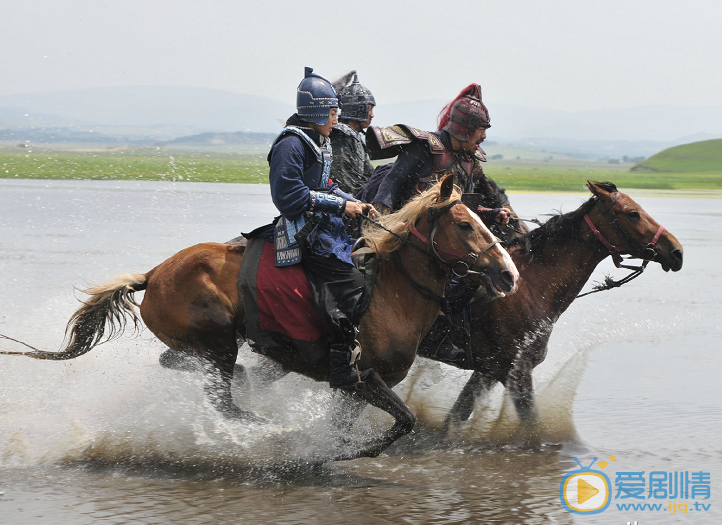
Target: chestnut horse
x=509 y=338
x=192 y=304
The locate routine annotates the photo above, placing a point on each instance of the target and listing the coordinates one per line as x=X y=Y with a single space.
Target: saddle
x=278 y=302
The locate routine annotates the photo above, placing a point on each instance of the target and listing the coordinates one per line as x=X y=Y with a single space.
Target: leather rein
x=466 y=260
x=645 y=252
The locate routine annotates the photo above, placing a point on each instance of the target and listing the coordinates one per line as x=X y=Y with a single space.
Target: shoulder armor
x=343 y=129
x=386 y=142
x=293 y=130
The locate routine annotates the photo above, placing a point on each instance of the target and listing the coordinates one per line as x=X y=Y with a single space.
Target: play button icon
x=585 y=491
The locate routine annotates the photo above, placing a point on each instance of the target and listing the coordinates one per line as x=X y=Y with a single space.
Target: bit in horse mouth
x=492 y=288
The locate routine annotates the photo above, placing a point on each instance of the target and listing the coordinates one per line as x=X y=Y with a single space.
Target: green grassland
x=697 y=157
x=559 y=176
x=533 y=172
x=132 y=164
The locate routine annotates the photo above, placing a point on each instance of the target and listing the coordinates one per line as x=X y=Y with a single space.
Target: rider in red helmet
x=423 y=158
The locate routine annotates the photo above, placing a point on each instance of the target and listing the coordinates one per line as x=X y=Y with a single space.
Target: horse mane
x=382 y=241
x=558 y=229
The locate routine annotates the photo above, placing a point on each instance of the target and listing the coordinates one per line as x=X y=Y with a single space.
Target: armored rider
x=310 y=230
x=351 y=167
x=423 y=157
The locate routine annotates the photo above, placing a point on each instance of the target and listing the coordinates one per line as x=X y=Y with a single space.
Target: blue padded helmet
x=315 y=97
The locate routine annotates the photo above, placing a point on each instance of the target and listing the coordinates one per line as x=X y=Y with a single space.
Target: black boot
x=439 y=346
x=344 y=372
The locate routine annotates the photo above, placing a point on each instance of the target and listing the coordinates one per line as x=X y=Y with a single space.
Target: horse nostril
x=677 y=257
x=507 y=279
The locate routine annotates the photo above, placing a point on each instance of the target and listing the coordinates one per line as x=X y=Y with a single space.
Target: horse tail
x=106 y=308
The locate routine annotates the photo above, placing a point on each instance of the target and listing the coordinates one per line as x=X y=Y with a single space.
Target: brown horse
x=192 y=304
x=509 y=338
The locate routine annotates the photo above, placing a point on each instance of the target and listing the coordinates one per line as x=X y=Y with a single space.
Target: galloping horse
x=192 y=304
x=509 y=338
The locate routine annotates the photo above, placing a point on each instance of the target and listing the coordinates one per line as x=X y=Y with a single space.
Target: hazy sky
x=561 y=54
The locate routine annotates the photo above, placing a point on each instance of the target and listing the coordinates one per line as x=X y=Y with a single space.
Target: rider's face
x=472 y=142
x=366 y=124
x=325 y=129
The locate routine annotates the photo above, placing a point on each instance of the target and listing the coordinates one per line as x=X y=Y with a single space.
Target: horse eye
x=633 y=215
x=465 y=225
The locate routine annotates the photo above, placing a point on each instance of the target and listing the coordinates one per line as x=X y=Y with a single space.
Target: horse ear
x=447 y=187
x=596 y=189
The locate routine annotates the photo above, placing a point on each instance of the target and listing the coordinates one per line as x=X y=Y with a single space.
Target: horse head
x=623 y=227
x=468 y=249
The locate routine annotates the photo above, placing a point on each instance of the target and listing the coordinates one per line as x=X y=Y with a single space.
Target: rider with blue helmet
x=310 y=230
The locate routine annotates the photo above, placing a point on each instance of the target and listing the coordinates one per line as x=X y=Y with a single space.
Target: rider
x=311 y=230
x=423 y=157
x=351 y=167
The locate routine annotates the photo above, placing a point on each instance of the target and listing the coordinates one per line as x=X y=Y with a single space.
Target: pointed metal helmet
x=465 y=114
x=315 y=97
x=356 y=100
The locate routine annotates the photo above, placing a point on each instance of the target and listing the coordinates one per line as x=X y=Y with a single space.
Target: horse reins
x=448 y=267
x=645 y=252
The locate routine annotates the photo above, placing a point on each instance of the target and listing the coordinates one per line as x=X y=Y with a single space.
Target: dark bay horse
x=510 y=337
x=192 y=304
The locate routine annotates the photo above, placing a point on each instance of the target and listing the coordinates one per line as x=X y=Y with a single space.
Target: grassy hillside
x=698 y=157
x=250 y=166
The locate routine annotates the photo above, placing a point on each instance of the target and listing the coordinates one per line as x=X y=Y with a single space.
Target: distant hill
x=517 y=123
x=146 y=114
x=698 y=157
x=218 y=139
x=57 y=135
x=202 y=108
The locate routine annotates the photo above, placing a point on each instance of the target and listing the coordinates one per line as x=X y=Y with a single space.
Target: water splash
x=116 y=405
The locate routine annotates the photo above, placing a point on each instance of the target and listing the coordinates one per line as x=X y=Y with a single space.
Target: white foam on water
x=432 y=388
x=117 y=404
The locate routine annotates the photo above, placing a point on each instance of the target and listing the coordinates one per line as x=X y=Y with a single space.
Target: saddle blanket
x=276 y=300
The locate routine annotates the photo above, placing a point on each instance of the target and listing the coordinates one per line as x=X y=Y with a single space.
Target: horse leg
x=181 y=361
x=176 y=360
x=521 y=388
x=477 y=385
x=347 y=411
x=377 y=393
x=267 y=372
x=218 y=369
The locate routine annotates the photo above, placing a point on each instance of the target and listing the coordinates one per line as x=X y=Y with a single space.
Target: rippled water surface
x=112 y=437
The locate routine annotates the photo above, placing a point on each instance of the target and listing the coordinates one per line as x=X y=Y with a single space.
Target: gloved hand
x=497 y=215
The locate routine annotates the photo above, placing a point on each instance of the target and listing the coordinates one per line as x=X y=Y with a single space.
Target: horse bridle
x=467 y=260
x=643 y=251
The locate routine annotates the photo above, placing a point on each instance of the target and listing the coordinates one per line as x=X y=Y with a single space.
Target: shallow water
x=112 y=437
